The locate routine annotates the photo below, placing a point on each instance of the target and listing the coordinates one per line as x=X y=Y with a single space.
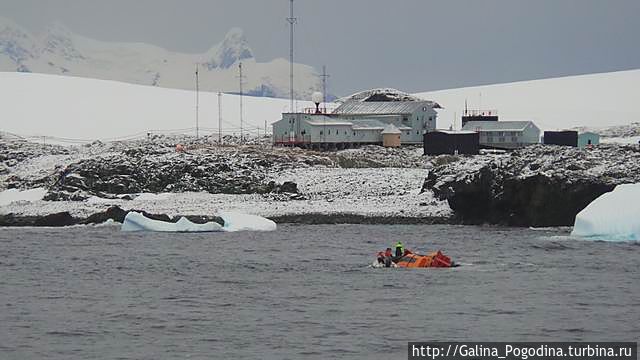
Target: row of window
x=336 y=132
x=406 y=119
x=490 y=139
x=501 y=133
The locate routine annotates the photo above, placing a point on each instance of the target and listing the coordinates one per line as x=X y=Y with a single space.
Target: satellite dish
x=317 y=97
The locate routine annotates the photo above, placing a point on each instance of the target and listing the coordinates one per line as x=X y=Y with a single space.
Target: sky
x=412 y=45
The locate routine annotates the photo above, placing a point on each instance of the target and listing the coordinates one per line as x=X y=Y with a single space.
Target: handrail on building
x=491 y=112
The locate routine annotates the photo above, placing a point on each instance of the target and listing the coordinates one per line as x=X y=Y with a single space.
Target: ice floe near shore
x=135 y=221
x=614 y=216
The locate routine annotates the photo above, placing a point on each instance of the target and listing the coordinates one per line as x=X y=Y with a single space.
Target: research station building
x=571 y=138
x=505 y=135
x=374 y=117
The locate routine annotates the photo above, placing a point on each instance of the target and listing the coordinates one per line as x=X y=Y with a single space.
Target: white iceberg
x=135 y=221
x=612 y=216
x=241 y=222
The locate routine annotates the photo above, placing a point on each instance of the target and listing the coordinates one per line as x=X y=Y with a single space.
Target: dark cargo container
x=566 y=138
x=451 y=142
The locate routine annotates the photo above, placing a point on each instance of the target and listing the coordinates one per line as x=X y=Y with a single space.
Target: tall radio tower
x=219 y=118
x=292 y=20
x=241 y=79
x=324 y=77
x=197 y=103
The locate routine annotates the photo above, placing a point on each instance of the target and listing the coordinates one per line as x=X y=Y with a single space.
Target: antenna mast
x=197 y=102
x=292 y=20
x=324 y=77
x=219 y=118
x=241 y=78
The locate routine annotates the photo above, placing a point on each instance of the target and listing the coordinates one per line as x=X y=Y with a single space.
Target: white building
x=505 y=134
x=359 y=120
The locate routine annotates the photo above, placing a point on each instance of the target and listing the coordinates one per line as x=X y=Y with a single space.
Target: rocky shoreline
x=117 y=214
x=537 y=186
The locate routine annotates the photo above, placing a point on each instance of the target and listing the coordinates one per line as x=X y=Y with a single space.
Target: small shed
x=451 y=142
x=391 y=136
x=588 y=138
x=565 y=138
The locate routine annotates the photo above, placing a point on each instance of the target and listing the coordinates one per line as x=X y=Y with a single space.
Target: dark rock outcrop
x=536 y=186
x=114 y=213
x=143 y=171
x=54 y=220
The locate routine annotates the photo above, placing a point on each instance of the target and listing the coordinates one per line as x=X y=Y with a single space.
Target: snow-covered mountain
x=80 y=108
x=59 y=51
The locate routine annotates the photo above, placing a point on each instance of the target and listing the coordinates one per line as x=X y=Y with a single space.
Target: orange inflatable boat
x=435 y=259
x=410 y=260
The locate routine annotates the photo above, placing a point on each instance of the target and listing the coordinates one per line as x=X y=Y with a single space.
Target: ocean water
x=304 y=292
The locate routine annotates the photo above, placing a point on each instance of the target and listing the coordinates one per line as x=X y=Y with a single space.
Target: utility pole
x=292 y=20
x=197 y=102
x=324 y=77
x=241 y=79
x=219 y=118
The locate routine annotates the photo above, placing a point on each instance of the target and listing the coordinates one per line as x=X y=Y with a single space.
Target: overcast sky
x=413 y=45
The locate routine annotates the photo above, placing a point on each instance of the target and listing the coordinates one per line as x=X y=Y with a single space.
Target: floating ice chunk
x=135 y=221
x=11 y=195
x=239 y=222
x=613 y=216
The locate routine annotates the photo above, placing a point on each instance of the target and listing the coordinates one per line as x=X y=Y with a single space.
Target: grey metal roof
x=496 y=125
x=381 y=107
x=391 y=129
x=454 y=132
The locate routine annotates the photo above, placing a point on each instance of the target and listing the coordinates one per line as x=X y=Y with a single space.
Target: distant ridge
x=59 y=51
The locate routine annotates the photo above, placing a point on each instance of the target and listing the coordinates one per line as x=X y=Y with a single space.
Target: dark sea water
x=304 y=292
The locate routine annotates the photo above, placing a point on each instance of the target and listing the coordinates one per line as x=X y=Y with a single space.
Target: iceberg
x=135 y=221
x=244 y=222
x=613 y=216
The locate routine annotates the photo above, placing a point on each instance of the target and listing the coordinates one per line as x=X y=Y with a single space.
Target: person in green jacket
x=399 y=249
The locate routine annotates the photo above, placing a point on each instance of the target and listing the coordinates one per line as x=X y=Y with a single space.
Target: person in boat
x=380 y=257
x=399 y=249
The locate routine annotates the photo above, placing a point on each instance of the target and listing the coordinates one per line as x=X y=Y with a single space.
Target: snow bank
x=11 y=195
x=153 y=197
x=594 y=100
x=118 y=110
x=612 y=216
x=135 y=221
